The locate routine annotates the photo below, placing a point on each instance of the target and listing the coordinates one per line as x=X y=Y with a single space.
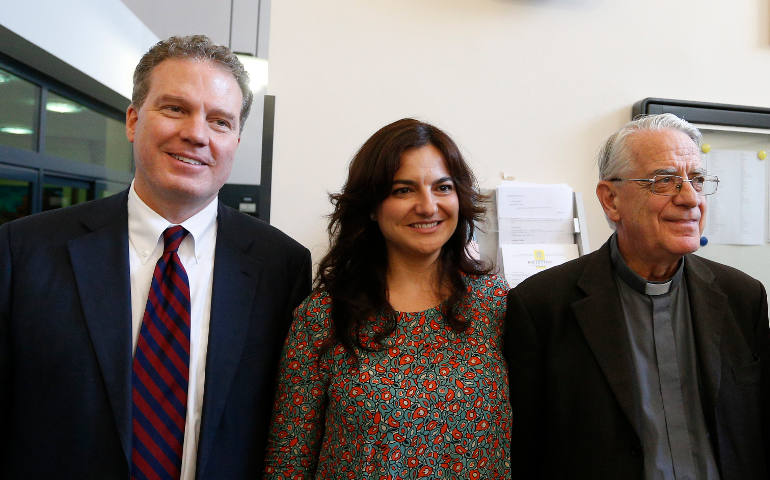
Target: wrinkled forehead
x=669 y=151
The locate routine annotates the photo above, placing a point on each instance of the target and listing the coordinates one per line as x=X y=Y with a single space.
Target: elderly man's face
x=656 y=230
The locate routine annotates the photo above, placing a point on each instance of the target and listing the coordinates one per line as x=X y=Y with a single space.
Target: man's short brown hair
x=193 y=47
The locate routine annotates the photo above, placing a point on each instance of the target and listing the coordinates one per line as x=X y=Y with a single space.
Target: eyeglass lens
x=672 y=184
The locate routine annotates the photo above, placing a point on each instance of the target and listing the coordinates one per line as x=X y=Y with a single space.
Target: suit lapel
x=709 y=319
x=100 y=265
x=600 y=316
x=235 y=283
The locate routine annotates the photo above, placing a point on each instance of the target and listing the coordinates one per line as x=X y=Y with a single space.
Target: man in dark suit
x=640 y=360
x=75 y=401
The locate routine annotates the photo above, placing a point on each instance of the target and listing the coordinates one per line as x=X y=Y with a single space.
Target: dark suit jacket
x=65 y=343
x=570 y=371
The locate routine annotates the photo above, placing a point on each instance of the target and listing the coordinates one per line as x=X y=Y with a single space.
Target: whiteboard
x=751 y=259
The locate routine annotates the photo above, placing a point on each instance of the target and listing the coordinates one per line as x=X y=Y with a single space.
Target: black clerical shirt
x=667 y=408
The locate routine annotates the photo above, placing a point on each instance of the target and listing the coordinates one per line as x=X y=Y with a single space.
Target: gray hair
x=193 y=47
x=614 y=157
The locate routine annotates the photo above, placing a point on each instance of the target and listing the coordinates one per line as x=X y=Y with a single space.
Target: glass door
x=61 y=192
x=17 y=192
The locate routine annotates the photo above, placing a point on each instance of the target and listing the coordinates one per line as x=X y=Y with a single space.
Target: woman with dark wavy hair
x=393 y=366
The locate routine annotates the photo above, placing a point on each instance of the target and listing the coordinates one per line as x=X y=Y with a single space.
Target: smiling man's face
x=185 y=135
x=655 y=230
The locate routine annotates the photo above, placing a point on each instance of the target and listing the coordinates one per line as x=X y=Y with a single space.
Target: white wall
x=529 y=87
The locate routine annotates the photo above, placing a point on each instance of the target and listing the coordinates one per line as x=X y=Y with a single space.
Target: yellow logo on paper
x=539 y=258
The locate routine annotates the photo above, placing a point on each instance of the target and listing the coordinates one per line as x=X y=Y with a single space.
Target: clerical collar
x=635 y=281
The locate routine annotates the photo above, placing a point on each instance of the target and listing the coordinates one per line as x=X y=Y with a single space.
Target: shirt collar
x=635 y=281
x=145 y=226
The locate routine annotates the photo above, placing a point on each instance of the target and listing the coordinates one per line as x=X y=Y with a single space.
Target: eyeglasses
x=670 y=185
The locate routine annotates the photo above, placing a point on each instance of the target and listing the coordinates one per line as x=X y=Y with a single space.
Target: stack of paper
x=737 y=212
x=536 y=228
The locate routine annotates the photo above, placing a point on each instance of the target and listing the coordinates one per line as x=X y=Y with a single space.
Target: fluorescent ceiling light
x=16 y=130
x=5 y=77
x=62 y=107
x=257 y=68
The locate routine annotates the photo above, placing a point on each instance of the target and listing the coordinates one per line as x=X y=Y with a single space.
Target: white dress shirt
x=145 y=247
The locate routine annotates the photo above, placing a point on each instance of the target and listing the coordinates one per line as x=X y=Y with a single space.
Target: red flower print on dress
x=427 y=403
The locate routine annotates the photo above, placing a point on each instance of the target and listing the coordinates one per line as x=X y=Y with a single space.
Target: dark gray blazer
x=65 y=342
x=570 y=371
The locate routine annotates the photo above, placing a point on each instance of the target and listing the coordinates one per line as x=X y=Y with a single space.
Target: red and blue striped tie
x=161 y=368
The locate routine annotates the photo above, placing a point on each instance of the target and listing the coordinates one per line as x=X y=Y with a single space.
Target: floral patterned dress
x=431 y=403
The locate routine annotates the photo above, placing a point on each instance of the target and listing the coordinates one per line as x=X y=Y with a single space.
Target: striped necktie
x=161 y=368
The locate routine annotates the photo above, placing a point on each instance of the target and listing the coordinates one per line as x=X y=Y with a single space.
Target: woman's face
x=420 y=213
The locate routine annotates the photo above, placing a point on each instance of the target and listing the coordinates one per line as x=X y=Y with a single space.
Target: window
x=19 y=106
x=78 y=133
x=58 y=147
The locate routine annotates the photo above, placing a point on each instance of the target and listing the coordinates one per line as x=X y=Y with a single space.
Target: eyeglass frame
x=651 y=182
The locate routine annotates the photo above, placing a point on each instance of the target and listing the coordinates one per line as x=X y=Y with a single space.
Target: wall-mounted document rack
x=521 y=247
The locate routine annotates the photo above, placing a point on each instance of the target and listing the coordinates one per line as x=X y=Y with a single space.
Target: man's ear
x=131 y=117
x=607 y=192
